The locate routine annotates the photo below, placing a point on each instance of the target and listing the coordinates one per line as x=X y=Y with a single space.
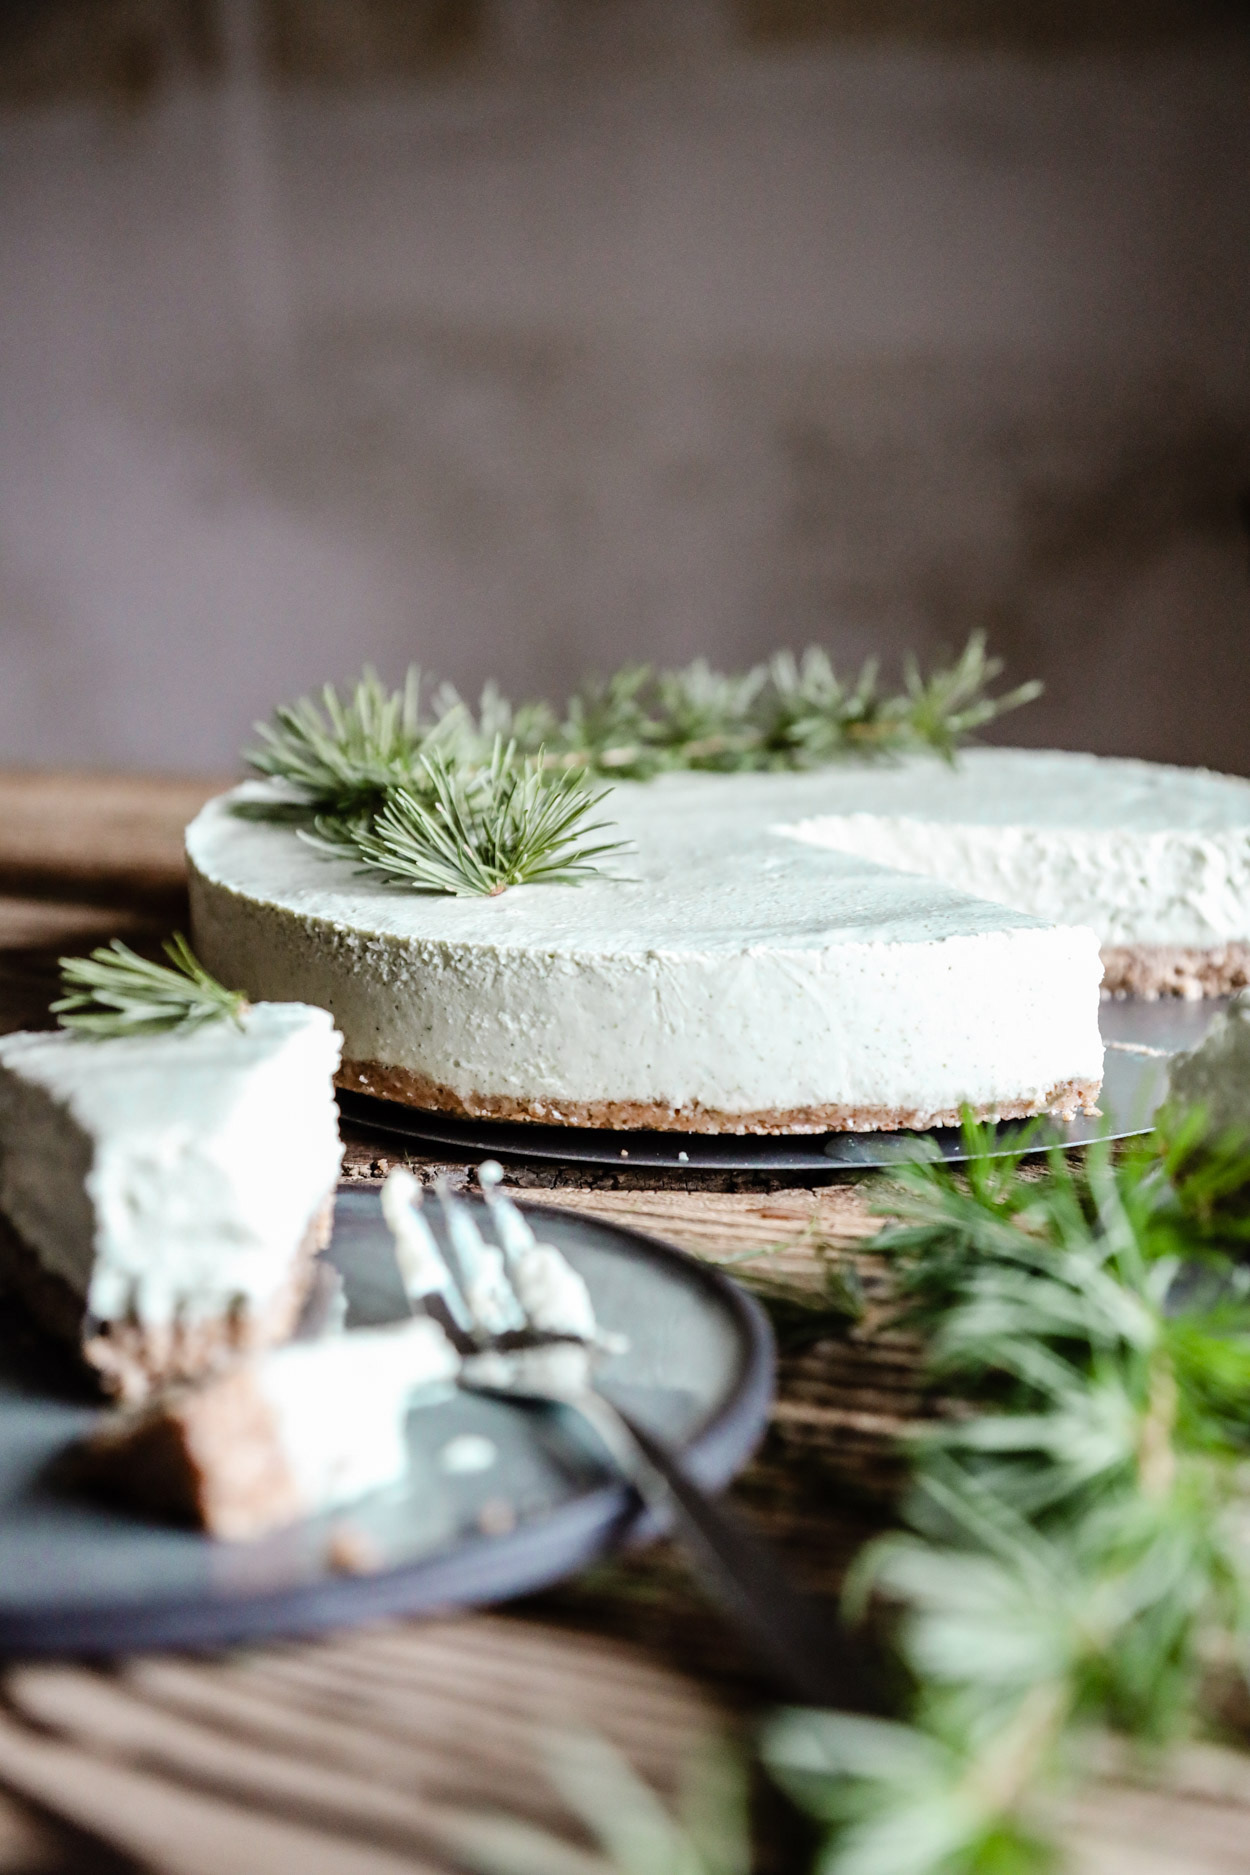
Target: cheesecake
x=278 y=1436
x=731 y=974
x=1155 y=860
x=162 y=1196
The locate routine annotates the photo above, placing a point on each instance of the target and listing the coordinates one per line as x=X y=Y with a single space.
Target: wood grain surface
x=101 y=839
x=409 y=1747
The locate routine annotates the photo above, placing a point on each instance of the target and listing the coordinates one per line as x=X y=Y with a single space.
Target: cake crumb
x=496 y=1517
x=351 y=1551
x=468 y=1453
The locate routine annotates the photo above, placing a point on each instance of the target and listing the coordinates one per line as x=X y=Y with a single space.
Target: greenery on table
x=1076 y=1556
x=114 y=992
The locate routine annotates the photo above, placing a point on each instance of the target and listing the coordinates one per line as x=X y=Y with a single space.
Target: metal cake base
x=1140 y=1037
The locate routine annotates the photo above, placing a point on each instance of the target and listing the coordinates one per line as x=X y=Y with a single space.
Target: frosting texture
x=733 y=968
x=133 y=1168
x=1142 y=853
x=339 y=1406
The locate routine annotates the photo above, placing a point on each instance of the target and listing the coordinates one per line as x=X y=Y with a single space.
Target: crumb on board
x=351 y=1551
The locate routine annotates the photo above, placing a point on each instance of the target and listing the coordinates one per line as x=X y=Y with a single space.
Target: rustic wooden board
x=102 y=839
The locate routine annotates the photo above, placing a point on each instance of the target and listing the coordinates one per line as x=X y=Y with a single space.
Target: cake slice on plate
x=166 y=1181
x=277 y=1437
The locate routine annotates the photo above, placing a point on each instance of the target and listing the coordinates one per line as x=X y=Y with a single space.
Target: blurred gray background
x=527 y=336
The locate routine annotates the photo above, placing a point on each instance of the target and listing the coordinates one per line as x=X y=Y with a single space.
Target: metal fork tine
x=520 y=1282
x=484 y=1280
x=422 y=1266
x=552 y=1293
x=513 y=1231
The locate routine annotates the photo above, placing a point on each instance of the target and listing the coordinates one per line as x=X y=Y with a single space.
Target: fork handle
x=809 y=1651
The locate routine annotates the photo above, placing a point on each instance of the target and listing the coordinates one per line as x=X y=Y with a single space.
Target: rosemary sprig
x=476 y=835
x=114 y=992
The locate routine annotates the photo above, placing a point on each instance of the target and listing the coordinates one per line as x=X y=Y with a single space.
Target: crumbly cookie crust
x=132 y=1358
x=208 y=1455
x=1151 y=971
x=412 y=1089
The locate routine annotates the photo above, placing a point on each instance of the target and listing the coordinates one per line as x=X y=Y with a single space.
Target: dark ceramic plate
x=1139 y=1038
x=499 y=1500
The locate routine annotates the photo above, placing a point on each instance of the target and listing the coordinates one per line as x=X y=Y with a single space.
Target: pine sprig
x=1076 y=1556
x=474 y=836
x=944 y=709
x=341 y=755
x=114 y=992
x=608 y=726
x=787 y=713
x=812 y=717
x=338 y=756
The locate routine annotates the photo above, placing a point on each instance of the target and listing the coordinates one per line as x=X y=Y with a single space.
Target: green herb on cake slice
x=168 y=1162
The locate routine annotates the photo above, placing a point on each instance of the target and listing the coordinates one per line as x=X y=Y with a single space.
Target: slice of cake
x=163 y=1194
x=280 y=1436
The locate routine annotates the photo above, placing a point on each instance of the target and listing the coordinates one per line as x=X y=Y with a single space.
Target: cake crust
x=131 y=1358
x=412 y=1089
x=1152 y=971
x=209 y=1456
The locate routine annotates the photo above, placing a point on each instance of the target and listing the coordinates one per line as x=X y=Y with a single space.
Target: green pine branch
x=114 y=992
x=477 y=834
x=1075 y=1555
x=339 y=755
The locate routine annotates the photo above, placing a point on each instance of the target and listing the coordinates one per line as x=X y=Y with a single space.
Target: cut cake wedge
x=278 y=1437
x=162 y=1197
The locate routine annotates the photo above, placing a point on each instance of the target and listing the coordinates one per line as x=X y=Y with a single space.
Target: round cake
x=1156 y=860
x=735 y=971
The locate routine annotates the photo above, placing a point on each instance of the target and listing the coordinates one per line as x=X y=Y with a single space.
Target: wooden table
x=387 y=1750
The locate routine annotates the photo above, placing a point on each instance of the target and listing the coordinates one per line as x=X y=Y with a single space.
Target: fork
x=523 y=1320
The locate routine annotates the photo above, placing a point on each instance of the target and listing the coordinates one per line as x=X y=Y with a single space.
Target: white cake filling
x=339 y=1406
x=1216 y=1075
x=1141 y=853
x=171 y=1176
x=734 y=969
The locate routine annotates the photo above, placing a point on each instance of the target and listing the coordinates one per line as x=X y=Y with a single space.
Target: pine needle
x=338 y=756
x=114 y=992
x=1076 y=1554
x=475 y=836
